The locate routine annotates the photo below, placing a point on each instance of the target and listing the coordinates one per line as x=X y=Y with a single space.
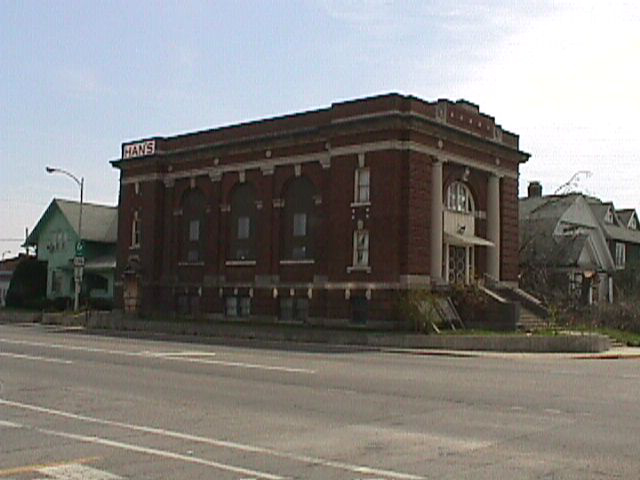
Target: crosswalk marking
x=75 y=471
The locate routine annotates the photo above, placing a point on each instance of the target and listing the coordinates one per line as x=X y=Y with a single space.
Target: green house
x=56 y=239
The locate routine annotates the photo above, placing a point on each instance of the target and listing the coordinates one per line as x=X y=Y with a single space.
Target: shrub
x=416 y=309
x=623 y=315
x=28 y=286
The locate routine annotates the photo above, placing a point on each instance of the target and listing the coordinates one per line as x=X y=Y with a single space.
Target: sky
x=79 y=78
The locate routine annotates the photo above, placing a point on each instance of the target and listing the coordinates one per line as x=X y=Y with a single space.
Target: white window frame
x=459 y=198
x=362 y=185
x=621 y=254
x=361 y=245
x=633 y=223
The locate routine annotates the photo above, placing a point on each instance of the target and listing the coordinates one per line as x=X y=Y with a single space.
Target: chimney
x=535 y=189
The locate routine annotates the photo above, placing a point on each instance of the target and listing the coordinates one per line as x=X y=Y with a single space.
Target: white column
x=467 y=254
x=610 y=288
x=436 y=222
x=493 y=226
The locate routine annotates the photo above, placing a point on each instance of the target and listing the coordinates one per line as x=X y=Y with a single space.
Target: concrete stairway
x=530 y=322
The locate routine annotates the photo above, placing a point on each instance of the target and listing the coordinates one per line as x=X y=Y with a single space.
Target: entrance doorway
x=459 y=264
x=131 y=294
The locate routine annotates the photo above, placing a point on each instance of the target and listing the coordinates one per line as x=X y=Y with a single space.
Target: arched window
x=193 y=219
x=300 y=220
x=242 y=229
x=459 y=198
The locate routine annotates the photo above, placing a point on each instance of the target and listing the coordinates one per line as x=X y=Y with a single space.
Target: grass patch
x=629 y=339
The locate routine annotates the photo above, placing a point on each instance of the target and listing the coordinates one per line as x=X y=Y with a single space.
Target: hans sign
x=139 y=149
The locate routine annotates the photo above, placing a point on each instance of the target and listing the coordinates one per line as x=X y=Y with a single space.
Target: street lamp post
x=77 y=271
x=6 y=252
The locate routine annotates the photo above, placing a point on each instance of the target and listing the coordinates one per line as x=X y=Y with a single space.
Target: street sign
x=78 y=261
x=79 y=248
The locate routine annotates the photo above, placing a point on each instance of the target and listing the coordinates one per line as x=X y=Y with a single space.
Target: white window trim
x=302 y=261
x=240 y=263
x=470 y=204
x=621 y=255
x=356 y=186
x=355 y=266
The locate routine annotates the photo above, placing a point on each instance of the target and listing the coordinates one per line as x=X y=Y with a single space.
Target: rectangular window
x=299 y=253
x=193 y=256
x=245 y=306
x=359 y=310
x=244 y=224
x=194 y=230
x=362 y=185
x=292 y=308
x=231 y=307
x=135 y=230
x=56 y=282
x=620 y=255
x=237 y=306
x=301 y=309
x=361 y=248
x=286 y=309
x=299 y=224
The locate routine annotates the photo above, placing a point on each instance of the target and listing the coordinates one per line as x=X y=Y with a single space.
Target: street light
x=77 y=264
x=5 y=253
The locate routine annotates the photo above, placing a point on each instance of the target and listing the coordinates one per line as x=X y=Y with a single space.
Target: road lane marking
x=160 y=453
x=184 y=353
x=36 y=468
x=75 y=471
x=5 y=423
x=21 y=356
x=307 y=459
x=180 y=357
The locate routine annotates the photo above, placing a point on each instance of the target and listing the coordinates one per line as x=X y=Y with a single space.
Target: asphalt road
x=76 y=406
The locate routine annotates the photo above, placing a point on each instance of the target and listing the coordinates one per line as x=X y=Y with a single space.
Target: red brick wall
x=398 y=218
x=509 y=229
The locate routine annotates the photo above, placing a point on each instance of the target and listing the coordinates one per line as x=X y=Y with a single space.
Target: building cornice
x=323 y=158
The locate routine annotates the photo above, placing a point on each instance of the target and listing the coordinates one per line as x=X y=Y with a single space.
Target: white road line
x=159 y=453
x=172 y=356
x=5 y=423
x=184 y=353
x=359 y=469
x=21 y=356
x=75 y=471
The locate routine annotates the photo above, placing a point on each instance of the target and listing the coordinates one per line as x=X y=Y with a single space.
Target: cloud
x=567 y=83
x=80 y=82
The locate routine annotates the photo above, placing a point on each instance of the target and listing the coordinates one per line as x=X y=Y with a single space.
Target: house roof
x=578 y=244
x=626 y=214
x=99 y=222
x=549 y=206
x=105 y=262
x=617 y=230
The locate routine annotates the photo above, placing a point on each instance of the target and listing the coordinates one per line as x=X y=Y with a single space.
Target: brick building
x=321 y=216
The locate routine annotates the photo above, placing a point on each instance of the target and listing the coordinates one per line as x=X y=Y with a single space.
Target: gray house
x=577 y=247
x=563 y=249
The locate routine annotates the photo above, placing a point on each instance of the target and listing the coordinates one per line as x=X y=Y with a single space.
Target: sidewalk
x=619 y=353
x=449 y=344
